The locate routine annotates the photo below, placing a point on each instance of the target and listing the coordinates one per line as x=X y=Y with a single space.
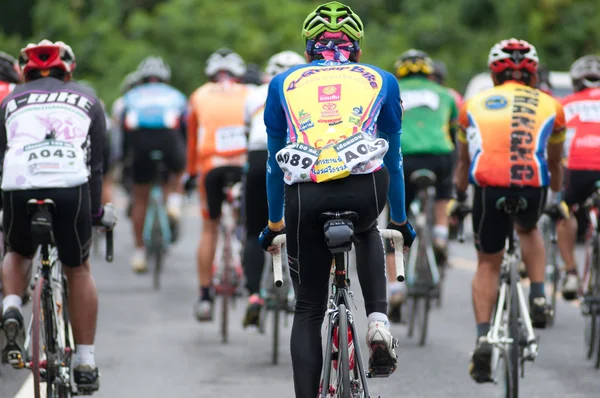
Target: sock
x=84 y=355
x=12 y=300
x=536 y=289
x=378 y=317
x=394 y=288
x=174 y=199
x=483 y=329
x=205 y=294
x=140 y=252
x=440 y=232
x=572 y=271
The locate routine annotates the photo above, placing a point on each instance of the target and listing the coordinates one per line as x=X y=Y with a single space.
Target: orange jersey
x=216 y=135
x=507 y=129
x=582 y=112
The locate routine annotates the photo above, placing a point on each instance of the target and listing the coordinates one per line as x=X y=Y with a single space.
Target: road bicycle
x=423 y=274
x=344 y=375
x=227 y=272
x=590 y=303
x=49 y=344
x=553 y=269
x=511 y=332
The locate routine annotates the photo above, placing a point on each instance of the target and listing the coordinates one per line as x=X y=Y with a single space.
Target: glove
x=191 y=183
x=407 y=231
x=107 y=217
x=558 y=208
x=455 y=206
x=266 y=237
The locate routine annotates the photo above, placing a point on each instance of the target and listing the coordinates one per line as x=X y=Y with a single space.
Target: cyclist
x=10 y=75
x=582 y=113
x=153 y=115
x=253 y=75
x=28 y=120
x=333 y=99
x=255 y=192
x=217 y=147
x=439 y=75
x=429 y=128
x=505 y=133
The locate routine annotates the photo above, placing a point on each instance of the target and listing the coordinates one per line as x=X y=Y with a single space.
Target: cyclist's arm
x=192 y=140
x=461 y=175
x=555 y=149
x=389 y=126
x=3 y=145
x=453 y=121
x=275 y=122
x=97 y=138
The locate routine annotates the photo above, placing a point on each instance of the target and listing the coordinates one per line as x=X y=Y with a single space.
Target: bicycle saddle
x=423 y=178
x=339 y=230
x=511 y=204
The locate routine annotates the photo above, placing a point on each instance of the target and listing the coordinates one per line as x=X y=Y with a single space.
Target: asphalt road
x=150 y=345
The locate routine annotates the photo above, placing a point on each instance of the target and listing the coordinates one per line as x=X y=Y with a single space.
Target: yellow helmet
x=414 y=62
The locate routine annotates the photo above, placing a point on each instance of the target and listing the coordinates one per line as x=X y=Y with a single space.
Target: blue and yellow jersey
x=333 y=119
x=507 y=129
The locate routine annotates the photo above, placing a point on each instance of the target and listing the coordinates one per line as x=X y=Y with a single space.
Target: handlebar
x=461 y=213
x=392 y=234
x=109 y=245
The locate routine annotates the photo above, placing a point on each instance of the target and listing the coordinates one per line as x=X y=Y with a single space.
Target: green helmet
x=333 y=17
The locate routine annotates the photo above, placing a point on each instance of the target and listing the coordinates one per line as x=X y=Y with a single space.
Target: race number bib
x=360 y=152
x=296 y=161
x=230 y=138
x=52 y=156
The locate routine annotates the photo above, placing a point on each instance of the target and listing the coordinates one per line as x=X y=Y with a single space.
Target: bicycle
x=423 y=277
x=553 y=270
x=227 y=276
x=343 y=374
x=511 y=333
x=49 y=343
x=590 y=304
x=157 y=230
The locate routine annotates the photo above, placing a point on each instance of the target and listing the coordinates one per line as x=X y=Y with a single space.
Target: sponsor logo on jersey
x=76 y=100
x=496 y=102
x=330 y=93
x=304 y=118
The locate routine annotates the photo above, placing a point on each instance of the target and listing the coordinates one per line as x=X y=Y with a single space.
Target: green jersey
x=429 y=109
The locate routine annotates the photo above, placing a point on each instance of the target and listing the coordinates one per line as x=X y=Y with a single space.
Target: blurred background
x=110 y=37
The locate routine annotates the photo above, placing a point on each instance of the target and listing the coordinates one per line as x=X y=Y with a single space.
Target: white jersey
x=253 y=117
x=30 y=117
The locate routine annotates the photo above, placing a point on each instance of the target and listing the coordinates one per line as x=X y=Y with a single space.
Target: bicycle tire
x=424 y=324
x=158 y=257
x=225 y=293
x=344 y=358
x=157 y=250
x=514 y=330
x=413 y=316
x=36 y=337
x=555 y=283
x=504 y=363
x=591 y=327
x=64 y=391
x=275 y=357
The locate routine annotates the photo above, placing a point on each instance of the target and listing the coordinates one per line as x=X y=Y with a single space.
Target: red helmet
x=513 y=54
x=47 y=55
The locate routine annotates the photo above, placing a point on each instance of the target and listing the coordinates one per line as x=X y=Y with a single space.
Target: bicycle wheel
x=503 y=374
x=413 y=316
x=36 y=337
x=157 y=250
x=425 y=304
x=591 y=333
x=344 y=359
x=514 y=330
x=225 y=296
x=278 y=308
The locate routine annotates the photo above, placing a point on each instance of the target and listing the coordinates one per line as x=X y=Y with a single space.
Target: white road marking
x=26 y=390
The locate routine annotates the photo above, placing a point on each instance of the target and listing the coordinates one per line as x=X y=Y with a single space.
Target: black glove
x=407 y=231
x=266 y=237
x=461 y=196
x=191 y=183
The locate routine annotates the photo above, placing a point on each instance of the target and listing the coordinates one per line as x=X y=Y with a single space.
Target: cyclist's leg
x=256 y=217
x=73 y=236
x=142 y=143
x=173 y=148
x=443 y=190
x=532 y=249
x=490 y=229
x=310 y=263
x=20 y=250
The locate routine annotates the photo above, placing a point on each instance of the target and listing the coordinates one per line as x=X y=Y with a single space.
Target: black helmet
x=440 y=72
x=414 y=62
x=9 y=69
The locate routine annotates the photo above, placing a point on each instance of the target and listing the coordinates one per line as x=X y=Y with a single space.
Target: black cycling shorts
x=212 y=189
x=491 y=225
x=256 y=207
x=580 y=185
x=72 y=222
x=144 y=141
x=440 y=165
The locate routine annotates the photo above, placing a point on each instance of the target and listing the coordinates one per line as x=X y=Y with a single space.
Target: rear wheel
x=157 y=250
x=503 y=374
x=514 y=330
x=36 y=338
x=592 y=334
x=425 y=305
x=278 y=308
x=413 y=315
x=344 y=359
x=226 y=291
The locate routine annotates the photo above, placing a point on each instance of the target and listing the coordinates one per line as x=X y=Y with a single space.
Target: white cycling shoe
x=382 y=356
x=138 y=261
x=570 y=288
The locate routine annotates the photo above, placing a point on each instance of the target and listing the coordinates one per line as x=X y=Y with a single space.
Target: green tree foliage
x=110 y=37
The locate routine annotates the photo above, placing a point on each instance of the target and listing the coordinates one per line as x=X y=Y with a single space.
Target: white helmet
x=585 y=72
x=225 y=60
x=282 y=61
x=154 y=67
x=513 y=54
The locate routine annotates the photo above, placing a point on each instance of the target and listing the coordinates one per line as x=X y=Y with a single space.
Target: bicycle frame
x=156 y=217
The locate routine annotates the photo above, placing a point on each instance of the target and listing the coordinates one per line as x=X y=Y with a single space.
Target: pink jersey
x=582 y=114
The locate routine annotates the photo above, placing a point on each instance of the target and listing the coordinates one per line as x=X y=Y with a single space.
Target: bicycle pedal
x=15 y=359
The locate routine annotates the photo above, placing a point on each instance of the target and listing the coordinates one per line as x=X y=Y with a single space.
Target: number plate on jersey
x=296 y=161
x=52 y=157
x=230 y=138
x=360 y=151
